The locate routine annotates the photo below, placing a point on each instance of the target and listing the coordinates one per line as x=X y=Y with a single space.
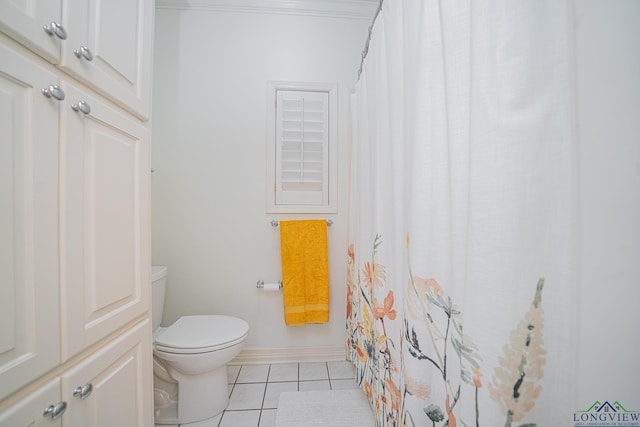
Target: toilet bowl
x=190 y=357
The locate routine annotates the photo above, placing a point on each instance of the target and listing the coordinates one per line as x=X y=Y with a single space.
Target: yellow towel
x=305 y=271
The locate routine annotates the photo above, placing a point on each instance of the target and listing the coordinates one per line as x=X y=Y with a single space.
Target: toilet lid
x=204 y=331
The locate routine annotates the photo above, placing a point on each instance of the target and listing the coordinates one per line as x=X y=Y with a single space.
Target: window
x=302 y=152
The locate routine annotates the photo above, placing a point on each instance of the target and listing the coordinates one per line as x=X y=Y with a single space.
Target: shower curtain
x=461 y=241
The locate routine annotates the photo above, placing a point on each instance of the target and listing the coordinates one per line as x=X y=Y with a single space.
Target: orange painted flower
x=351 y=252
x=379 y=311
x=367 y=389
x=349 y=302
x=416 y=300
x=394 y=391
x=374 y=274
x=428 y=285
x=362 y=355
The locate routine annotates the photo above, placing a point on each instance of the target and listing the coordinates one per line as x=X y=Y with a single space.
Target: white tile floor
x=255 y=389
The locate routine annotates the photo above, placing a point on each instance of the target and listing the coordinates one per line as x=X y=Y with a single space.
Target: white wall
x=208 y=202
x=608 y=89
x=209 y=154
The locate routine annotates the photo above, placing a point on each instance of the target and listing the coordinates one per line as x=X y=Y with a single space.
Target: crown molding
x=352 y=9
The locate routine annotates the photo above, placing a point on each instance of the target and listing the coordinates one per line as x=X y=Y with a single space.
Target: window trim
x=332 y=90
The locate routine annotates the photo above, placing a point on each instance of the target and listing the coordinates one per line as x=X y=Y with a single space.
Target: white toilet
x=189 y=360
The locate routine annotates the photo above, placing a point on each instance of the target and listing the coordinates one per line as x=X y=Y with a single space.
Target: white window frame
x=329 y=205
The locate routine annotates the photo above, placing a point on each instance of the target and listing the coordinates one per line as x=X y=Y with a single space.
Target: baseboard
x=259 y=355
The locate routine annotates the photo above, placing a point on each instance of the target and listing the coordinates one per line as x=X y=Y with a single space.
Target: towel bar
x=260 y=284
x=275 y=222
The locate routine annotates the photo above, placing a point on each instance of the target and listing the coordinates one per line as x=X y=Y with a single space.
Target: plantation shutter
x=302 y=147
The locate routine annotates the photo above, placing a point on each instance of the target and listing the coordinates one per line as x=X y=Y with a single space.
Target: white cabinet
x=104 y=390
x=25 y=21
x=112 y=382
x=29 y=412
x=104 y=195
x=29 y=309
x=117 y=35
x=105 y=44
x=74 y=212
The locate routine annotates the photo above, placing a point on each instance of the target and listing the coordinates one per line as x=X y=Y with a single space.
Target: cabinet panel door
x=29 y=311
x=24 y=21
x=119 y=35
x=120 y=378
x=104 y=188
x=29 y=412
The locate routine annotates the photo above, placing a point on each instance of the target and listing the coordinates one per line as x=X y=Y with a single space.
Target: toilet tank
x=158 y=289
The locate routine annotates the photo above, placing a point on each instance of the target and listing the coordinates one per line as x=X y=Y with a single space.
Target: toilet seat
x=201 y=334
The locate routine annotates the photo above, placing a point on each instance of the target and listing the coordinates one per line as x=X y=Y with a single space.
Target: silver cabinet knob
x=53 y=91
x=81 y=106
x=55 y=29
x=55 y=411
x=83 y=52
x=83 y=391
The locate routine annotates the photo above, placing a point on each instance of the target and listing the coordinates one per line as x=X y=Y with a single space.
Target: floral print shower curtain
x=461 y=241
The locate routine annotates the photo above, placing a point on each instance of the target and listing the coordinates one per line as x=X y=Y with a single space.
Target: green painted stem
x=509 y=418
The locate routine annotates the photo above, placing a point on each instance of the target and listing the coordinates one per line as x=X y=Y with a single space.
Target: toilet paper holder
x=262 y=285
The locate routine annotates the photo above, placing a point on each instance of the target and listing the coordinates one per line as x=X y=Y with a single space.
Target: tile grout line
x=233 y=387
x=264 y=395
x=235 y=381
x=326 y=366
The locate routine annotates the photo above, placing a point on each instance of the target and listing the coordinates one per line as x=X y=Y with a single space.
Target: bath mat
x=336 y=408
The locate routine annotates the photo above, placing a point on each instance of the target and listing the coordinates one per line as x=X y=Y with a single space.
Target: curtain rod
x=365 y=51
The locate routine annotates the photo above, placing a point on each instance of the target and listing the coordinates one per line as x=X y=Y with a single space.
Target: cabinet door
x=119 y=36
x=117 y=383
x=29 y=412
x=25 y=20
x=29 y=311
x=104 y=196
